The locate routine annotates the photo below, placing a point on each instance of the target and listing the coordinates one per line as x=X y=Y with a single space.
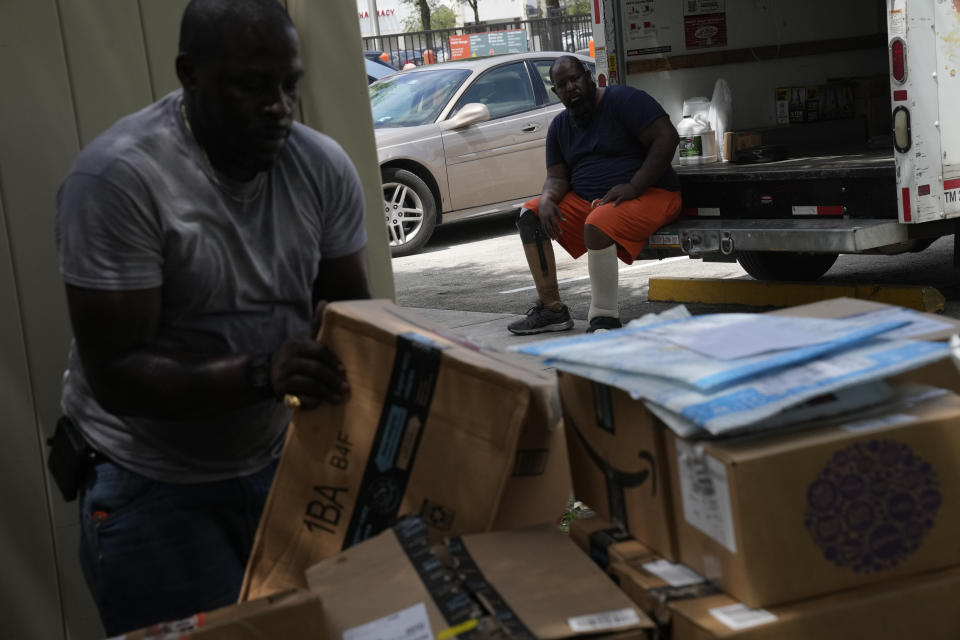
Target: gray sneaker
x=539 y=319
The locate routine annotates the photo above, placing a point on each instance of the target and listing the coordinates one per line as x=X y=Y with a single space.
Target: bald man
x=198 y=239
x=609 y=186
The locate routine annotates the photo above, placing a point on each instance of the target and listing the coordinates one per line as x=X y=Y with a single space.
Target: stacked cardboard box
x=528 y=583
x=784 y=523
x=469 y=439
x=685 y=606
x=293 y=615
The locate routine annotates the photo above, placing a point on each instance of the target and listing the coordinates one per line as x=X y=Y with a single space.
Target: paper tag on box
x=411 y=623
x=603 y=621
x=706 y=495
x=739 y=616
x=675 y=575
x=881 y=422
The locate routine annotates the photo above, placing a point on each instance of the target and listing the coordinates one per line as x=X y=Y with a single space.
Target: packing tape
x=416 y=367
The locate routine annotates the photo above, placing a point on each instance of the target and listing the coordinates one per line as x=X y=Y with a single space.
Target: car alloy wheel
x=409 y=211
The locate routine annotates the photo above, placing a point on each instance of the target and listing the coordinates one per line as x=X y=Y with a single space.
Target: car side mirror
x=471 y=113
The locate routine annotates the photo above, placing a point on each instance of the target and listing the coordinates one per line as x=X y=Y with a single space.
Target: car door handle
x=530 y=128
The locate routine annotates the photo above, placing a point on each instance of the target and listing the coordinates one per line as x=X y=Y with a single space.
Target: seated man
x=609 y=186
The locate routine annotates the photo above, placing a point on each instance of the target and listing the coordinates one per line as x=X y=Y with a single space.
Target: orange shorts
x=629 y=223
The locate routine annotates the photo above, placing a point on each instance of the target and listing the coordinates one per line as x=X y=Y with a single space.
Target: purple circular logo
x=872 y=504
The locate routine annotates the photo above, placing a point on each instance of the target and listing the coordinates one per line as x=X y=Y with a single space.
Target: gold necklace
x=213 y=171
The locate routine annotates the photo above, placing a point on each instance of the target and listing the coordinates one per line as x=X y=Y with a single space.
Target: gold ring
x=291 y=401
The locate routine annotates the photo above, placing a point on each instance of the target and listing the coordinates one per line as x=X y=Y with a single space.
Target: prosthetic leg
x=549 y=314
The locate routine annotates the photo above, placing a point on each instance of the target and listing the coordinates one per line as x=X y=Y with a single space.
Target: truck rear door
x=924 y=44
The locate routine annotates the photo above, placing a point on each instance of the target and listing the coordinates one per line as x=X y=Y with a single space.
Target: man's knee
x=528 y=223
x=595 y=238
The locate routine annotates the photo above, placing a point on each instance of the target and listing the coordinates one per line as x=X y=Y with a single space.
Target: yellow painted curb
x=788 y=294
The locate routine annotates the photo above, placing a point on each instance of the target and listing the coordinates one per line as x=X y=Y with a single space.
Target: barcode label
x=738 y=616
x=602 y=621
x=411 y=623
x=675 y=575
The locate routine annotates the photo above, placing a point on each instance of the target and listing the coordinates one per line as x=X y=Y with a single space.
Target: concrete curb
x=787 y=294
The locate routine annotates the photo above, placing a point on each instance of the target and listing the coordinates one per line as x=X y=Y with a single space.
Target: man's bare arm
x=116 y=331
x=116 y=335
x=555 y=187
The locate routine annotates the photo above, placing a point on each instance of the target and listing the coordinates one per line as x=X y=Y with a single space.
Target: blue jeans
x=154 y=551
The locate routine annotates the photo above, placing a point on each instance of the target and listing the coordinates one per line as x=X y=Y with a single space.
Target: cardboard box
x=921 y=607
x=534 y=581
x=781 y=517
x=652 y=582
x=468 y=438
x=605 y=542
x=290 y=615
x=617 y=458
x=736 y=141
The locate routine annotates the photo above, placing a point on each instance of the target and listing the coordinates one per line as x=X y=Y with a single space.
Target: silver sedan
x=461 y=139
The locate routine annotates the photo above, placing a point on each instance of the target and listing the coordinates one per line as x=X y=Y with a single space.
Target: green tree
x=412 y=23
x=578 y=7
x=442 y=17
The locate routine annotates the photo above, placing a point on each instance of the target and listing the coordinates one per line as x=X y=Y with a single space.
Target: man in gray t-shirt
x=197 y=240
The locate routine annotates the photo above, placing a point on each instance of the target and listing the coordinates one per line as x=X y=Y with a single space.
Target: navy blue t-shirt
x=607 y=152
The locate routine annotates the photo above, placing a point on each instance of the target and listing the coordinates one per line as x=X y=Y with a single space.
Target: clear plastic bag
x=721 y=113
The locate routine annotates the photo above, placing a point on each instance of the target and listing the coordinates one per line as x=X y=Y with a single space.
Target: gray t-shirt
x=142 y=208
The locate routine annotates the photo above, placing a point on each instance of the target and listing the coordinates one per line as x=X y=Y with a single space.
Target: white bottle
x=698 y=142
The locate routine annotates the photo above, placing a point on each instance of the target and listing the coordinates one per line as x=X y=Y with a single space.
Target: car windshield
x=410 y=99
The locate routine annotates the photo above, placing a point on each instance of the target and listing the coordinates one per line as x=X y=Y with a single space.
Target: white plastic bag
x=721 y=113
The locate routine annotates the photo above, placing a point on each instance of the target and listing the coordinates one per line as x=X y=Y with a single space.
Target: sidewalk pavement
x=489 y=329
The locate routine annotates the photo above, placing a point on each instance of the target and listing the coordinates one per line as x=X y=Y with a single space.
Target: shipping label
x=739 y=616
x=706 y=495
x=411 y=623
x=674 y=574
x=602 y=621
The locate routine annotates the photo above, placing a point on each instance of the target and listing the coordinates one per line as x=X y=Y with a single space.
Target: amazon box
x=289 y=615
x=921 y=607
x=470 y=439
x=651 y=581
x=606 y=542
x=528 y=583
x=617 y=460
x=775 y=518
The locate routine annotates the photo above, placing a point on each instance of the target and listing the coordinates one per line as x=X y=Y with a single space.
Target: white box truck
x=885 y=181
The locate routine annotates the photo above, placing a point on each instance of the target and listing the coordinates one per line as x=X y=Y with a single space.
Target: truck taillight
x=898 y=60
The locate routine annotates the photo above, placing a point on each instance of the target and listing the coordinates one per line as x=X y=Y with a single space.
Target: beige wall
x=68 y=69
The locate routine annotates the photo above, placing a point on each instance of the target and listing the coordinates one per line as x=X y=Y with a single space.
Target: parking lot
x=479 y=266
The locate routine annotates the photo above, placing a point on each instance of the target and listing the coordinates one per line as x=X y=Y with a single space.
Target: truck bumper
x=706 y=238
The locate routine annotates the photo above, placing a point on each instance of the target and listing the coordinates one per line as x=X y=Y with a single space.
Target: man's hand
x=619 y=193
x=307 y=369
x=550 y=219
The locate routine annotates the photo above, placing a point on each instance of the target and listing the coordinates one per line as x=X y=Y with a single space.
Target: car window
x=413 y=98
x=505 y=90
x=543 y=70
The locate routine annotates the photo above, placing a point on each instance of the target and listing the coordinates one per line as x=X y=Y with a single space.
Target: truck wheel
x=785 y=265
x=409 y=209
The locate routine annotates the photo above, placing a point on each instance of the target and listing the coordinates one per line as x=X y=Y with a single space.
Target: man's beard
x=583 y=111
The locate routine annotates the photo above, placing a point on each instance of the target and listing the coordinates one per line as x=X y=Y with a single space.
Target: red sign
x=705 y=31
x=459 y=47
x=383 y=13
